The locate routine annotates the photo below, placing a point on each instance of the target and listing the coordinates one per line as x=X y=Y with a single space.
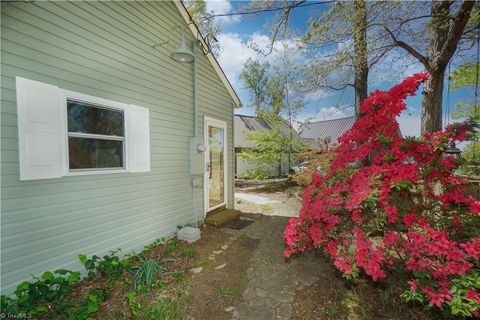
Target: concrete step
x=222 y=217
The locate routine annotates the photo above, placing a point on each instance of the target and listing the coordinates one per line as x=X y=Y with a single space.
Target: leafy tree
x=255 y=78
x=445 y=28
x=274 y=94
x=204 y=19
x=270 y=148
x=430 y=32
x=467 y=75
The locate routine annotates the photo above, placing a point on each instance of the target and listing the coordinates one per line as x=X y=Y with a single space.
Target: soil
x=215 y=290
x=335 y=298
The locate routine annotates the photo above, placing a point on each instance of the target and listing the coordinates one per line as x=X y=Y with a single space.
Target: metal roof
x=317 y=131
x=244 y=123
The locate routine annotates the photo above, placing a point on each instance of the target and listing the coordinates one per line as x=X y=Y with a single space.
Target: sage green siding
x=102 y=49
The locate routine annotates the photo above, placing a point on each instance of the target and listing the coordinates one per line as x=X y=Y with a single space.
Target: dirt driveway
x=284 y=200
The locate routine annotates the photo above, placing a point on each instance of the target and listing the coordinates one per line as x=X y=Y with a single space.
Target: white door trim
x=220 y=124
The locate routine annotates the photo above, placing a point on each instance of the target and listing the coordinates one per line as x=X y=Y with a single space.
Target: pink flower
x=392 y=214
x=391 y=238
x=413 y=285
x=475 y=207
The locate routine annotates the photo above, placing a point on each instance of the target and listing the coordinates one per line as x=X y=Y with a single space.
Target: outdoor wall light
x=452 y=150
x=182 y=53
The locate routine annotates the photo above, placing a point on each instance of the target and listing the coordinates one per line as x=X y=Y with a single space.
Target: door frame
x=223 y=125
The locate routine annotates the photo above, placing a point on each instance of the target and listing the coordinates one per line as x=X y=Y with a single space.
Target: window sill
x=86 y=173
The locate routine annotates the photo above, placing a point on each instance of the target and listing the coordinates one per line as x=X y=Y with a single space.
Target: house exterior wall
x=103 y=49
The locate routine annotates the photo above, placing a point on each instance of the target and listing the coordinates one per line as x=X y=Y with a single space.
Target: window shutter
x=138 y=139
x=39 y=130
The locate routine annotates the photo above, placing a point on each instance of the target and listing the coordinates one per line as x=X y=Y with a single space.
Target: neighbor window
x=96 y=137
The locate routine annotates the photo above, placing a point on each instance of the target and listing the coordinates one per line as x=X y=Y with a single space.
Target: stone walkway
x=272 y=281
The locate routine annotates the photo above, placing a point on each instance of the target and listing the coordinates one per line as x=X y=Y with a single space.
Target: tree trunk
x=360 y=54
x=432 y=102
x=433 y=88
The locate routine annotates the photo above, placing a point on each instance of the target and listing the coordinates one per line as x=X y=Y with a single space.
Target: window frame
x=101 y=103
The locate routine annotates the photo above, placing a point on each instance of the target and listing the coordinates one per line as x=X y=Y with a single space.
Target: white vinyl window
x=62 y=133
x=96 y=137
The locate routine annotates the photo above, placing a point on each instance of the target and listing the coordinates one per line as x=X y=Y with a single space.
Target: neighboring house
x=107 y=142
x=243 y=124
x=315 y=133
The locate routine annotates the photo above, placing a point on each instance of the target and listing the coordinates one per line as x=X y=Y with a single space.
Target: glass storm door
x=215 y=163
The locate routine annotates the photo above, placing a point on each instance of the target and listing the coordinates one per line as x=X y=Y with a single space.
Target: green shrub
x=146 y=270
x=111 y=265
x=259 y=173
x=47 y=293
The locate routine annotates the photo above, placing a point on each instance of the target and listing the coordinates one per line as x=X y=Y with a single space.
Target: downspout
x=195 y=122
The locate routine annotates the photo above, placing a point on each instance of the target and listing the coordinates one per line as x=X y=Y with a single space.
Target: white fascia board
x=216 y=66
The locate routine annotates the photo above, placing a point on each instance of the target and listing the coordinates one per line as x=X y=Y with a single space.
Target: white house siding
x=102 y=49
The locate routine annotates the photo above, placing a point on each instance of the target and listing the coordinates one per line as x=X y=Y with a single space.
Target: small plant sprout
x=189 y=253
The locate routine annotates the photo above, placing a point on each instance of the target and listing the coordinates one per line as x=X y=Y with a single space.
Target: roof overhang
x=216 y=66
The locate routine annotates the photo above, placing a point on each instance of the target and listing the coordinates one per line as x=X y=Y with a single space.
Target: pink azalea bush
x=387 y=198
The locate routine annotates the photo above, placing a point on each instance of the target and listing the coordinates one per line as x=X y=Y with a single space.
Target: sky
x=240 y=33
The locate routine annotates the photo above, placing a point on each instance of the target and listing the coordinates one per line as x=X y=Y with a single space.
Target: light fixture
x=182 y=53
x=452 y=150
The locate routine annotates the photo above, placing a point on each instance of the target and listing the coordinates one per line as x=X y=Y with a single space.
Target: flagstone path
x=273 y=281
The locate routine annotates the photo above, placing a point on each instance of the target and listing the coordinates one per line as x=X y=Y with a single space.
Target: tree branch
x=407 y=47
x=455 y=32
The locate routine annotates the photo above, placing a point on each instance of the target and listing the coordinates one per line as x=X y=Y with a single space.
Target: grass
x=336 y=310
x=174 y=244
x=267 y=208
x=164 y=309
x=189 y=253
x=227 y=293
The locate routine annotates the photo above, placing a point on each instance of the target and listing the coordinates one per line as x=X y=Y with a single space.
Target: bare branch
x=455 y=32
x=407 y=47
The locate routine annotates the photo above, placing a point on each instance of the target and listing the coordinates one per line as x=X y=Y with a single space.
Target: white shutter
x=39 y=130
x=138 y=142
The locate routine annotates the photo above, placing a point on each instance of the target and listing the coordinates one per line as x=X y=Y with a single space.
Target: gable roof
x=242 y=124
x=216 y=66
x=320 y=130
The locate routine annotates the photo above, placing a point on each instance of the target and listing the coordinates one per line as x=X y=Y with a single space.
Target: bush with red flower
x=386 y=198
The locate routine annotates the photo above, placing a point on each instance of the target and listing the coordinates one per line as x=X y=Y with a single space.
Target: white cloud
x=236 y=49
x=234 y=52
x=409 y=125
x=333 y=112
x=222 y=7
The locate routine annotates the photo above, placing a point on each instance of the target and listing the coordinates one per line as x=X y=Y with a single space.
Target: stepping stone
x=284 y=311
x=196 y=270
x=261 y=312
x=307 y=280
x=217 y=251
x=249 y=294
x=281 y=297
x=261 y=293
x=229 y=309
x=221 y=266
x=241 y=310
x=225 y=247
